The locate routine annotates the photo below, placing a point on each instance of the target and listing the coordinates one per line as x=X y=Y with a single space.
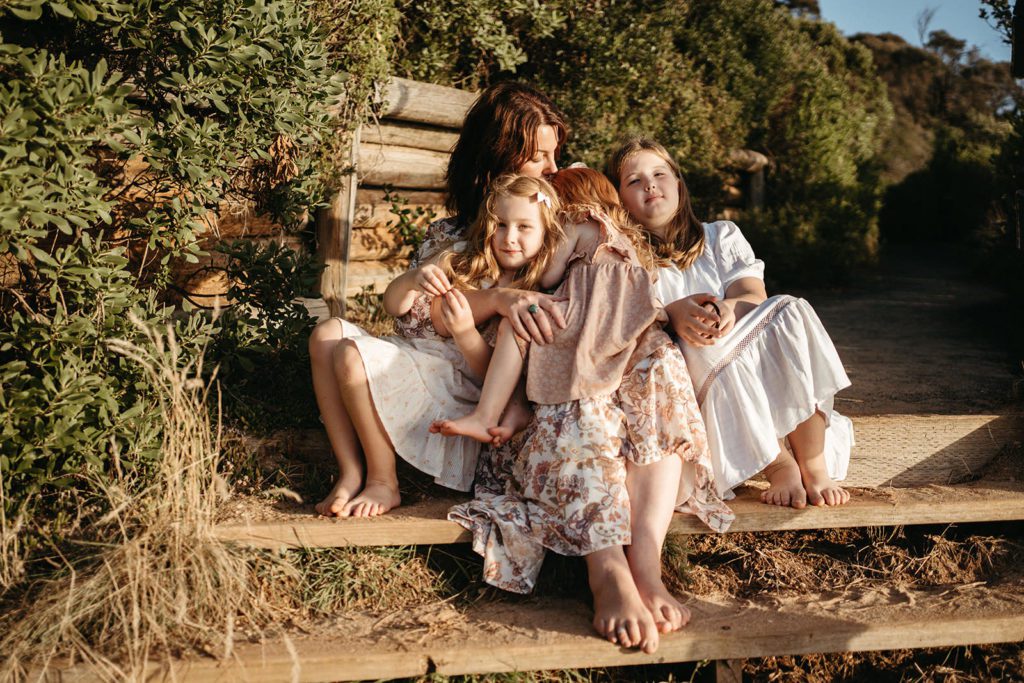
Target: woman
x=765 y=370
x=511 y=128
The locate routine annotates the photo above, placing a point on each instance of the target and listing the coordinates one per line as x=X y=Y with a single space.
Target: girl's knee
x=324 y=339
x=348 y=362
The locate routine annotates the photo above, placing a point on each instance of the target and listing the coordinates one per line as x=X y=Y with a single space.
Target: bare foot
x=619 y=613
x=668 y=613
x=821 y=489
x=471 y=425
x=375 y=499
x=335 y=502
x=786 y=488
x=516 y=418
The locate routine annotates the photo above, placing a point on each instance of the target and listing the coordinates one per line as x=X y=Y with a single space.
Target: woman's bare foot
x=471 y=425
x=786 y=486
x=668 y=613
x=821 y=489
x=375 y=499
x=342 y=492
x=619 y=612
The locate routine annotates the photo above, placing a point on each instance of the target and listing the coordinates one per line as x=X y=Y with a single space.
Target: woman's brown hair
x=683 y=241
x=475 y=264
x=581 y=189
x=498 y=136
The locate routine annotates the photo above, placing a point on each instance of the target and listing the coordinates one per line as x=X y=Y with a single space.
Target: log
x=746 y=160
x=334 y=228
x=374 y=210
x=378 y=274
x=405 y=167
x=435 y=105
x=410 y=135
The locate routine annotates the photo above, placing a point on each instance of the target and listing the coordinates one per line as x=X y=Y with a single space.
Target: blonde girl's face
x=543 y=161
x=649 y=190
x=518 y=233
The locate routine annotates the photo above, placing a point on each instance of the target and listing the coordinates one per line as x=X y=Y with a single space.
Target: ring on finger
x=533 y=308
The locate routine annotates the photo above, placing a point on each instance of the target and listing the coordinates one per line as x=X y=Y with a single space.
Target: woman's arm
x=515 y=304
x=401 y=293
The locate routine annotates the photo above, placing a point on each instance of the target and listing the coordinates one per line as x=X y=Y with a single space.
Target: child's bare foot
x=668 y=613
x=821 y=489
x=343 y=490
x=619 y=613
x=471 y=425
x=516 y=418
x=376 y=498
x=786 y=488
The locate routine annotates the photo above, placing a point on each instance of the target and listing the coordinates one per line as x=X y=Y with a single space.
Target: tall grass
x=159 y=582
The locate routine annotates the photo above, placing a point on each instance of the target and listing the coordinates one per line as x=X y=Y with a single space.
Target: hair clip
x=543 y=198
x=577 y=164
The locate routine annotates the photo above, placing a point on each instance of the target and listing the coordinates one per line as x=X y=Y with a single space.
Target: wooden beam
x=435 y=105
x=410 y=135
x=555 y=633
x=425 y=522
x=402 y=167
x=334 y=231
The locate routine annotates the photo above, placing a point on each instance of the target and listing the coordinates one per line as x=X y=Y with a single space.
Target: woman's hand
x=430 y=279
x=536 y=324
x=696 y=323
x=456 y=314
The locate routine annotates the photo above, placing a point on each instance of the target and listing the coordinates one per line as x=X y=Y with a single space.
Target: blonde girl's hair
x=683 y=242
x=476 y=264
x=583 y=189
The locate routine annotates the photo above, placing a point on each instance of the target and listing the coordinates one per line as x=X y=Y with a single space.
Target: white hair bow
x=543 y=198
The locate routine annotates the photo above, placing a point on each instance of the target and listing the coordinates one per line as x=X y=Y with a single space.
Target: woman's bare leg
x=380 y=492
x=808 y=442
x=323 y=341
x=652 y=500
x=619 y=612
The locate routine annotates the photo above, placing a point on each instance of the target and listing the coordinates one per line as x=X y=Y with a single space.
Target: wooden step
x=286 y=525
x=546 y=634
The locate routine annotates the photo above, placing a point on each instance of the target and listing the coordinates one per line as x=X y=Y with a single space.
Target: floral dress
x=612 y=387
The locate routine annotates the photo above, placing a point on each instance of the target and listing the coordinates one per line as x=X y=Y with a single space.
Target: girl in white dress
x=764 y=369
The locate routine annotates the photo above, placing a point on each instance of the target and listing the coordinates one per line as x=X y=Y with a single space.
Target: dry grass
x=159 y=582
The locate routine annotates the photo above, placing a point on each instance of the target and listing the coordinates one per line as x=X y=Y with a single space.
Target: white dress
x=767 y=375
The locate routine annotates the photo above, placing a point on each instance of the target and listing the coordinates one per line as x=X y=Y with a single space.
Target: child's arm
x=457 y=317
x=401 y=293
x=556 y=269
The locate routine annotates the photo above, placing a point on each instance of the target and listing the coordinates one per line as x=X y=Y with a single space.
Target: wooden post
x=729 y=671
x=334 y=236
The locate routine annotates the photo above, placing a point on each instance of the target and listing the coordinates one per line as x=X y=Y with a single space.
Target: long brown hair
x=683 y=241
x=498 y=136
x=581 y=189
x=476 y=263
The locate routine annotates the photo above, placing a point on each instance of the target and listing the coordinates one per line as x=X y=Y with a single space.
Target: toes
x=684 y=616
x=634 y=634
x=799 y=501
x=815 y=498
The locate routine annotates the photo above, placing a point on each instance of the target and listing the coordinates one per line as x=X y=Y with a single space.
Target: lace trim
x=740 y=347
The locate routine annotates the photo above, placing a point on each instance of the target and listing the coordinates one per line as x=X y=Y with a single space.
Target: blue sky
x=959 y=18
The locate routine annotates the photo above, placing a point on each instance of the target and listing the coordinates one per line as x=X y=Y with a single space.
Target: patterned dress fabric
x=561 y=485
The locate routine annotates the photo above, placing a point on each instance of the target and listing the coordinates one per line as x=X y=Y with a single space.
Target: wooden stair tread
x=425 y=522
x=547 y=633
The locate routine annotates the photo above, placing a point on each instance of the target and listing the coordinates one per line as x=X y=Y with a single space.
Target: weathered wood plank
x=410 y=135
x=334 y=228
x=550 y=634
x=425 y=522
x=376 y=274
x=403 y=167
x=435 y=105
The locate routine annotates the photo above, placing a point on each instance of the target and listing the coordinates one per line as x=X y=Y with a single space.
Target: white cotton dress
x=767 y=375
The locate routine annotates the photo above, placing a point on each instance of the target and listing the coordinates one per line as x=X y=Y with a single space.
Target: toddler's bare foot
x=343 y=490
x=668 y=613
x=471 y=425
x=516 y=418
x=620 y=614
x=375 y=499
x=821 y=489
x=786 y=486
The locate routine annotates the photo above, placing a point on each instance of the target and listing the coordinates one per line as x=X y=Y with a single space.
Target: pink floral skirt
x=562 y=485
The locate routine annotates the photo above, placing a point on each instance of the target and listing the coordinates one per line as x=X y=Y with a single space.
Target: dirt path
x=919 y=335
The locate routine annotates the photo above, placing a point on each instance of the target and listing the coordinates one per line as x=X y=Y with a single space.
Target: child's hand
x=727 y=316
x=456 y=313
x=432 y=280
x=695 y=323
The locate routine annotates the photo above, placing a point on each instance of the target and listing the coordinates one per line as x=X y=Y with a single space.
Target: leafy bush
x=125 y=128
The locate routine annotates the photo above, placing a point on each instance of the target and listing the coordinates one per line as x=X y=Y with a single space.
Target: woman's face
x=649 y=190
x=543 y=161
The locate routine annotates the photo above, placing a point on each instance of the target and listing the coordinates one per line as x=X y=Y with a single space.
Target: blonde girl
x=764 y=368
x=614 y=412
